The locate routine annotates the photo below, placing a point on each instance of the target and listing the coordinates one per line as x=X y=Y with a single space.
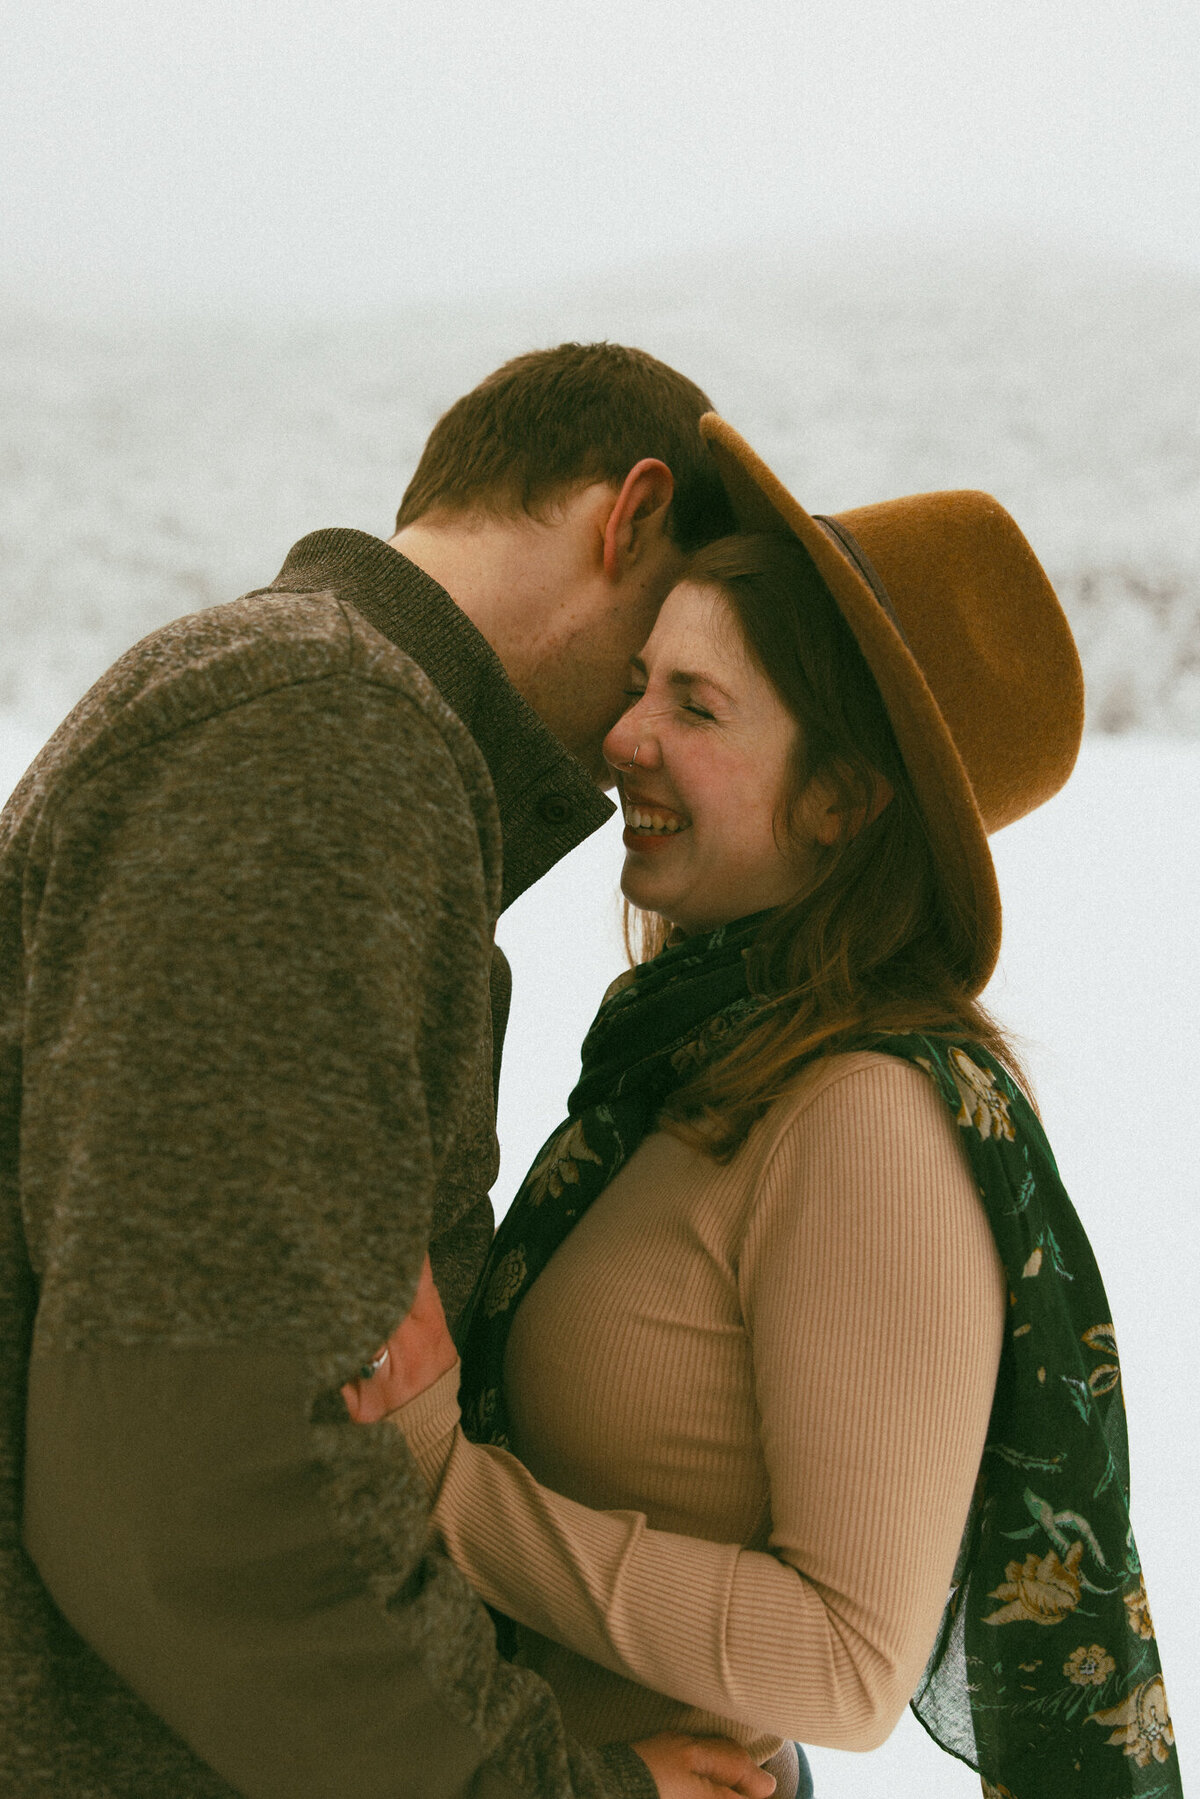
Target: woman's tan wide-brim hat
x=971 y=652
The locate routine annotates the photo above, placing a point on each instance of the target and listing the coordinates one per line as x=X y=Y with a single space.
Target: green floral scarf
x=1045 y=1676
x=656 y=1024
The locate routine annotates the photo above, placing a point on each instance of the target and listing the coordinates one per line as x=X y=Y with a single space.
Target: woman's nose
x=618 y=747
x=635 y=735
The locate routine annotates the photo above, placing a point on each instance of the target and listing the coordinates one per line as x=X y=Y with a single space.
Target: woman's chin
x=642 y=891
x=636 y=890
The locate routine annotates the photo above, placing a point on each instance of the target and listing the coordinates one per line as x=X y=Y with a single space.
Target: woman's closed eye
x=633 y=694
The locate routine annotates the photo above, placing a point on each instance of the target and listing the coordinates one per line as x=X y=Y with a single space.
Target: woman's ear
x=823 y=811
x=820 y=811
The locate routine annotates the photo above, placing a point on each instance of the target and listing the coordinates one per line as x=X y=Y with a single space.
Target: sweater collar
x=547 y=801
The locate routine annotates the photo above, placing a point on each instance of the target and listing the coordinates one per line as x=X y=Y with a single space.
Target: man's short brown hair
x=553 y=420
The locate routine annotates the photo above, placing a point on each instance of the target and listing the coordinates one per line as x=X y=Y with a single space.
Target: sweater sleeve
x=874 y=1299
x=258 y=962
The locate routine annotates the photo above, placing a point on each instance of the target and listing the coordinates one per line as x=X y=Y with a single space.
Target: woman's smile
x=649 y=826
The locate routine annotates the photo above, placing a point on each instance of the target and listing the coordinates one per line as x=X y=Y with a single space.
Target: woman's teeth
x=653 y=821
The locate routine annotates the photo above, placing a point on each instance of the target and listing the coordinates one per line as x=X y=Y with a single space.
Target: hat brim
x=943 y=788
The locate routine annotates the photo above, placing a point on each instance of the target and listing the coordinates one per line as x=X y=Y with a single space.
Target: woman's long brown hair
x=870 y=945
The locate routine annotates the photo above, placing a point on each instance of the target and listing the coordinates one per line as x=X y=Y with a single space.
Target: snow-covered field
x=148 y=469
x=1100 y=976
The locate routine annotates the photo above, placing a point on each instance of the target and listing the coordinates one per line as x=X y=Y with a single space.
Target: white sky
x=346 y=153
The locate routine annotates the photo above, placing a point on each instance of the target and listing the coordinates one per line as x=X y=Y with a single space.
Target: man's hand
x=418 y=1352
x=702 y=1768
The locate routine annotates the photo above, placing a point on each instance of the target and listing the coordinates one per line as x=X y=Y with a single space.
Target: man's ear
x=639 y=514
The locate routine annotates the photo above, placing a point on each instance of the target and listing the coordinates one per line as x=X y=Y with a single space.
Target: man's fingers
x=744 y=1790
x=688 y=1767
x=419 y=1352
x=366 y=1398
x=721 y=1761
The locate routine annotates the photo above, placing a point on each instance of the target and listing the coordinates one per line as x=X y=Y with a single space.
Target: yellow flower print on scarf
x=1089 y=1667
x=508 y=1277
x=983 y=1105
x=559 y=1167
x=1101 y=1338
x=1039 y=1590
x=1137 y=1610
x=701 y=1049
x=1062 y=1417
x=1144 y=1728
x=479 y=1414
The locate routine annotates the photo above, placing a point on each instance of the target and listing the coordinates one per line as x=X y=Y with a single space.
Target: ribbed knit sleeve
x=873 y=1300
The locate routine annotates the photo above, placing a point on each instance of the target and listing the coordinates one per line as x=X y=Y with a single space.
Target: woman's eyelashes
x=634 y=694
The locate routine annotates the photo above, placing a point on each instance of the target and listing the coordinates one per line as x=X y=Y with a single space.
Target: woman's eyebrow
x=681 y=677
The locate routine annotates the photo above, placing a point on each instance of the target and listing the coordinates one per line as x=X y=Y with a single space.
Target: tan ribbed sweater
x=750 y=1403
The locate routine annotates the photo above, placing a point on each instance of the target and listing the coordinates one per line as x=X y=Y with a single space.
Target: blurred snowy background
x=251 y=253
x=147 y=469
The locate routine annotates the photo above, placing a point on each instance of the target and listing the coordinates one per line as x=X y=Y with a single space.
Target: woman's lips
x=642 y=812
x=648 y=842
x=650 y=826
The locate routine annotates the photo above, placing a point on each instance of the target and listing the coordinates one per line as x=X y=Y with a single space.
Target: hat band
x=858 y=556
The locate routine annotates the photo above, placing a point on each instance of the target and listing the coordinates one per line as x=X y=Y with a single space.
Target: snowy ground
x=150 y=469
x=1101 y=978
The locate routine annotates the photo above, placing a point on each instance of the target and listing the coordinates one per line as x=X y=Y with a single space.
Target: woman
x=792 y=1325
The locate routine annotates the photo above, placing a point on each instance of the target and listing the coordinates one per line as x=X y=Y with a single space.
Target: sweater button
x=554 y=808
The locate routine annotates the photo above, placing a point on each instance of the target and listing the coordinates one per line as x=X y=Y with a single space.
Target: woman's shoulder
x=851 y=1069
x=865 y=1142
x=869 y=1089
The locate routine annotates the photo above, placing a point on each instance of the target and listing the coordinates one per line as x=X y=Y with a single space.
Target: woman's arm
x=875 y=1302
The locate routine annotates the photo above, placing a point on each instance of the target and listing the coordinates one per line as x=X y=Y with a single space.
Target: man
x=250 y=1018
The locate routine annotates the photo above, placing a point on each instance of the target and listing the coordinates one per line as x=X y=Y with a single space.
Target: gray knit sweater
x=247 y=899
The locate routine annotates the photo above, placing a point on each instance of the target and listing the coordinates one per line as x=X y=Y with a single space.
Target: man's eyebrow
x=682 y=677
